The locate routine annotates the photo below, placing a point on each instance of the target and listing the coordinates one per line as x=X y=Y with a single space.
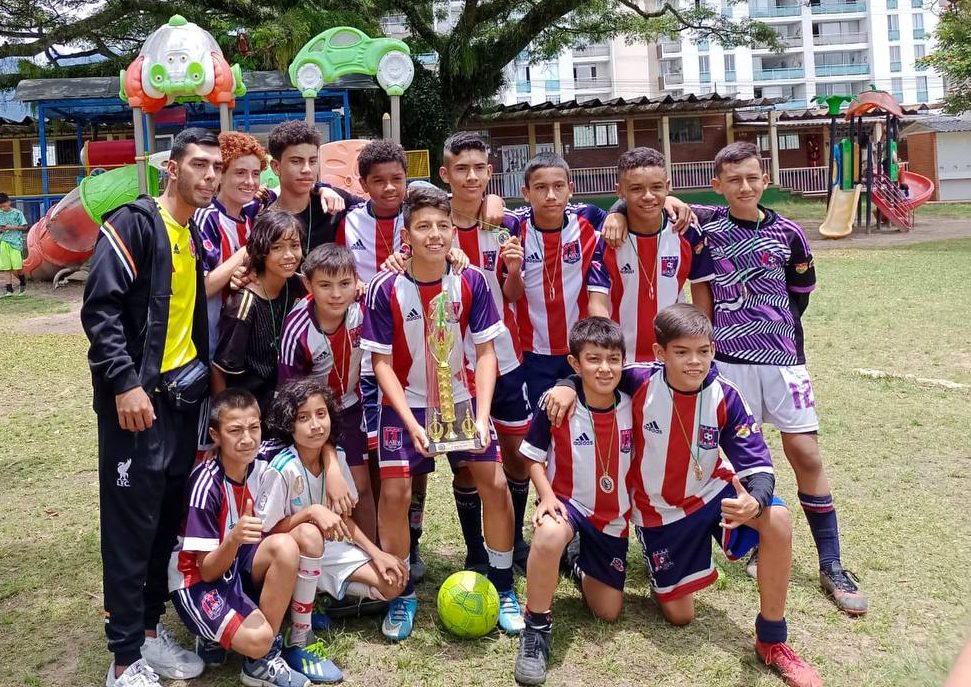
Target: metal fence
x=28 y=181
x=804 y=179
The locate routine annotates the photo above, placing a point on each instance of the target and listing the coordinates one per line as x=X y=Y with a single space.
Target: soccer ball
x=468 y=604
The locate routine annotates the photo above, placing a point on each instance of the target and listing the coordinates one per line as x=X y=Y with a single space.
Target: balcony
x=895 y=66
x=523 y=87
x=594 y=84
x=704 y=77
x=778 y=74
x=891 y=4
x=667 y=47
x=840 y=38
x=917 y=4
x=673 y=79
x=601 y=50
x=797 y=104
x=788 y=41
x=842 y=69
x=551 y=85
x=922 y=96
x=772 y=10
x=730 y=75
x=838 y=7
x=919 y=34
x=920 y=66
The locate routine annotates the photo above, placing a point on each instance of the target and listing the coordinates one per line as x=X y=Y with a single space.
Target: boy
x=490 y=247
x=684 y=492
x=292 y=498
x=648 y=271
x=322 y=339
x=582 y=491
x=221 y=562
x=13 y=235
x=395 y=332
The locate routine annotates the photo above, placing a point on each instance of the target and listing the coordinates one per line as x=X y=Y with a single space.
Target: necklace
x=286 y=299
x=752 y=244
x=234 y=507
x=338 y=364
x=657 y=255
x=501 y=233
x=606 y=482
x=556 y=259
x=693 y=449
x=310 y=493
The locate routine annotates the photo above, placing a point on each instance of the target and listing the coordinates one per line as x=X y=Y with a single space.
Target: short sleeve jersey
x=215 y=503
x=395 y=324
x=13 y=217
x=555 y=276
x=305 y=350
x=674 y=429
x=757 y=266
x=179 y=348
x=647 y=273
x=372 y=239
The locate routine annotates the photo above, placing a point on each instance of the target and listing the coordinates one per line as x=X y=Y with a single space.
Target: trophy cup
x=450 y=425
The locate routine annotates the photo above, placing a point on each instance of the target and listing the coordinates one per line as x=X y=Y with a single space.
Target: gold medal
x=606 y=484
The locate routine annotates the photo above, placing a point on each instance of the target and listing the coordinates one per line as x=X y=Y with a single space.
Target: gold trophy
x=441 y=418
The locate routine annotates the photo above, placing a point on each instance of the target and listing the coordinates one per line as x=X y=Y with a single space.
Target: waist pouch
x=184 y=387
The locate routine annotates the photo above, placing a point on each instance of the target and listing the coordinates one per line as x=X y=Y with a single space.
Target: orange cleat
x=794 y=670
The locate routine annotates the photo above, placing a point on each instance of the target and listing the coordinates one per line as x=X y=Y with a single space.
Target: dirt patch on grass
x=927 y=229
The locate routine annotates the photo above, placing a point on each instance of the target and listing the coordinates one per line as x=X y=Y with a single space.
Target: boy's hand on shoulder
x=249 y=528
x=680 y=213
x=560 y=403
x=262 y=194
x=512 y=254
x=550 y=507
x=739 y=510
x=395 y=263
x=458 y=258
x=614 y=231
x=330 y=524
x=391 y=568
x=493 y=209
x=241 y=276
x=331 y=201
x=339 y=496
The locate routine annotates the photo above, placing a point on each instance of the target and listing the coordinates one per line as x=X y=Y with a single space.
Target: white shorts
x=778 y=394
x=340 y=561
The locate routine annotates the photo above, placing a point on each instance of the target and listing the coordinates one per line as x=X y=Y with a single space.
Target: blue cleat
x=399 y=619
x=510 y=613
x=211 y=653
x=312 y=661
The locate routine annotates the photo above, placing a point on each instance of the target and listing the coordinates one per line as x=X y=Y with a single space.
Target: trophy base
x=436 y=447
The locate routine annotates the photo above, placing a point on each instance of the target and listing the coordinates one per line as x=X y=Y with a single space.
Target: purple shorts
x=602 y=556
x=397 y=456
x=354 y=436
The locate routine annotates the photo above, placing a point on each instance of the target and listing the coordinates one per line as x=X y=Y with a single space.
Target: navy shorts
x=511 y=410
x=678 y=555
x=215 y=610
x=602 y=556
x=397 y=456
x=542 y=372
x=354 y=436
x=371 y=402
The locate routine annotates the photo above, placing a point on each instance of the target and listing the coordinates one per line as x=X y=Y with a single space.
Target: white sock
x=303 y=600
x=363 y=591
x=501 y=560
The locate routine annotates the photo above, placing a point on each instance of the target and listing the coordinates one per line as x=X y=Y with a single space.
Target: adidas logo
x=652 y=427
x=358 y=245
x=533 y=257
x=582 y=440
x=627 y=269
x=412 y=316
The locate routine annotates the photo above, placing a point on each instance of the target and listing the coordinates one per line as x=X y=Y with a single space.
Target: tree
x=952 y=57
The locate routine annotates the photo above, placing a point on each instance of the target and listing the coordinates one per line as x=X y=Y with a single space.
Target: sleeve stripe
x=533 y=452
x=245 y=303
x=121 y=256
x=751 y=471
x=119 y=244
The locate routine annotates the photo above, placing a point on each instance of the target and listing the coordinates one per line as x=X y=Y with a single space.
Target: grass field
x=899 y=456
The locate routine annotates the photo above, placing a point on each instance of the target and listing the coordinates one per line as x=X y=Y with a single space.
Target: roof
x=712 y=102
x=793 y=118
x=941 y=125
x=40 y=90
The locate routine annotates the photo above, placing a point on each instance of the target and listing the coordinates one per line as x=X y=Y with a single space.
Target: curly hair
x=292 y=133
x=235 y=145
x=270 y=226
x=380 y=151
x=289 y=397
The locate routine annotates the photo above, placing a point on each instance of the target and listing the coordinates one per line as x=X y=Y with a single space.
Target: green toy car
x=345 y=50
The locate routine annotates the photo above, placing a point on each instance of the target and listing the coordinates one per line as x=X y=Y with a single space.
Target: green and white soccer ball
x=468 y=604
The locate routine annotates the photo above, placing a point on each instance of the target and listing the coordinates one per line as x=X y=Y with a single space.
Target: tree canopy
x=952 y=56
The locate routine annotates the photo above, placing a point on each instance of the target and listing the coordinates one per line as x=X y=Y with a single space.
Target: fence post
x=774 y=146
x=630 y=133
x=531 y=132
x=557 y=143
x=666 y=143
x=18 y=172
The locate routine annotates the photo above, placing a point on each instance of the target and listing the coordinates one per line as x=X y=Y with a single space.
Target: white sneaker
x=170 y=660
x=138 y=674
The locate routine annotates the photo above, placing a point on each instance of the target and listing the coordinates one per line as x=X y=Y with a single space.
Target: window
x=786 y=142
x=704 y=68
x=704 y=90
x=730 y=90
x=703 y=45
x=729 y=62
x=595 y=135
x=918 y=25
x=895 y=58
x=920 y=50
x=833 y=89
x=686 y=130
x=891 y=4
x=917 y=4
x=893 y=27
x=897 y=88
x=922 y=89
x=35 y=155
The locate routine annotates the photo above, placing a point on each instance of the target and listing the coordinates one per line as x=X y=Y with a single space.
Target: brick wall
x=922 y=157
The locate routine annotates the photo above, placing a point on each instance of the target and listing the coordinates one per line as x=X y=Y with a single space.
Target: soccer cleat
x=794 y=670
x=271 y=671
x=168 y=659
x=418 y=567
x=211 y=653
x=520 y=556
x=534 y=653
x=510 y=613
x=752 y=567
x=8 y=292
x=399 y=619
x=138 y=674
x=840 y=584
x=23 y=290
x=311 y=661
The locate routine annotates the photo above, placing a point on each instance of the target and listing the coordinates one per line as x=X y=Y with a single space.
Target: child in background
x=13 y=236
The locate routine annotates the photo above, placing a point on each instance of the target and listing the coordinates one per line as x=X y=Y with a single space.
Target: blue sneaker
x=312 y=661
x=211 y=653
x=399 y=619
x=510 y=613
x=271 y=671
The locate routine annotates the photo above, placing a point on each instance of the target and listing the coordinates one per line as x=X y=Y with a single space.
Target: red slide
x=920 y=188
x=894 y=205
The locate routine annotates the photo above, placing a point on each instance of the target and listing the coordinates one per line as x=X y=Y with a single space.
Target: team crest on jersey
x=207 y=244
x=707 y=437
x=212 y=604
x=355 y=334
x=392 y=438
x=488 y=260
x=770 y=260
x=583 y=440
x=743 y=431
x=262 y=504
x=192 y=247
x=298 y=485
x=617 y=564
x=626 y=439
x=661 y=560
x=627 y=269
x=802 y=267
x=669 y=265
x=571 y=252
x=123 y=467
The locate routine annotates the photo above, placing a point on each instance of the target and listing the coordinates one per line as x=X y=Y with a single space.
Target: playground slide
x=841 y=213
x=920 y=188
x=897 y=207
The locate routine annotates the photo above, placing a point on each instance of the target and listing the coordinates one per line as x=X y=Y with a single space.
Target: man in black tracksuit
x=144 y=313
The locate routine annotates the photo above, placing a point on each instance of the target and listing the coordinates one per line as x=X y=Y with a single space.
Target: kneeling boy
x=583 y=490
x=222 y=562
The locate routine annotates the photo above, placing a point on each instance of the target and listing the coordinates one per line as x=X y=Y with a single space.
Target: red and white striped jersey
x=215 y=504
x=336 y=357
x=664 y=487
x=482 y=247
x=371 y=239
x=555 y=275
x=574 y=453
x=666 y=259
x=395 y=324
